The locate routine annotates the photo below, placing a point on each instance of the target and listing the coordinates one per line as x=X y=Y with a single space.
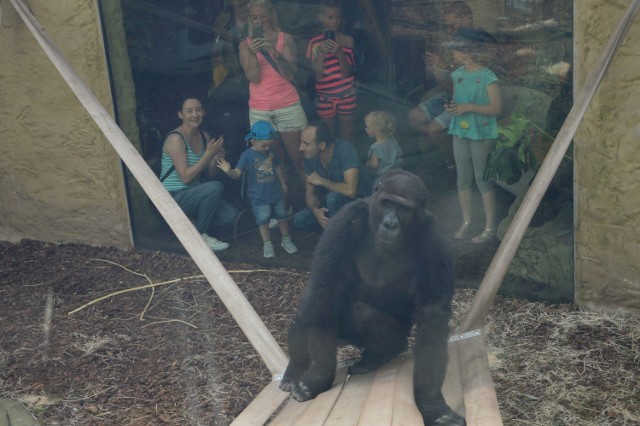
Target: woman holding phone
x=268 y=58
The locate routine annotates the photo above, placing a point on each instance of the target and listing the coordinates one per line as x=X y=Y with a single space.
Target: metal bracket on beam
x=464 y=336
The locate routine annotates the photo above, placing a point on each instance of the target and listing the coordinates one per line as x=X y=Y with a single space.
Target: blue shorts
x=287 y=119
x=434 y=108
x=264 y=212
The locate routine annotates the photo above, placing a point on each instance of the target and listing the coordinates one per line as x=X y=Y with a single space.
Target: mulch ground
x=74 y=353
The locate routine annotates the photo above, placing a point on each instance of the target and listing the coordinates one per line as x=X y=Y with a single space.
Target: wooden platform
x=385 y=396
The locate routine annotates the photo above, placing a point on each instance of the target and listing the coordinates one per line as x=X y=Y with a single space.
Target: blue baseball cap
x=261 y=131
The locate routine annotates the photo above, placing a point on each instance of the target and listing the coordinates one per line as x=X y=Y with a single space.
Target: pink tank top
x=273 y=91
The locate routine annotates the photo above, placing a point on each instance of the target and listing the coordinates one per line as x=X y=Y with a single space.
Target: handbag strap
x=173 y=167
x=272 y=62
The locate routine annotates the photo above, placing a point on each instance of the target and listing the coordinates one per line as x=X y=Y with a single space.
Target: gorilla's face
x=391 y=233
x=396 y=211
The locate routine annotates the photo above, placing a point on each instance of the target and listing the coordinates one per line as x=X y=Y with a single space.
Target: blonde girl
x=385 y=153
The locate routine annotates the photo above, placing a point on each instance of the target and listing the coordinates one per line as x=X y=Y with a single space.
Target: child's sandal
x=462 y=231
x=487 y=235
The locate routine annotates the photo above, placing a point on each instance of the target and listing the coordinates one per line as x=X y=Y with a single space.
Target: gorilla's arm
x=332 y=263
x=434 y=288
x=312 y=338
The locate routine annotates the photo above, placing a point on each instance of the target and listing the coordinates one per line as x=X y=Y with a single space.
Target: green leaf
x=510 y=134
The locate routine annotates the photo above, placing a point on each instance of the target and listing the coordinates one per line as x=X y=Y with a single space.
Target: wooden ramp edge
x=480 y=400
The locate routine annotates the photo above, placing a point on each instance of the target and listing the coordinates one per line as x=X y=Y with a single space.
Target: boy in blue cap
x=266 y=185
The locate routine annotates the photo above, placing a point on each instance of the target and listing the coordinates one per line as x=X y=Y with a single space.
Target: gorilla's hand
x=301 y=393
x=438 y=413
x=451 y=419
x=298 y=391
x=287 y=386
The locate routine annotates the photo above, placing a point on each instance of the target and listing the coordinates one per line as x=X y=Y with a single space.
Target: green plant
x=513 y=155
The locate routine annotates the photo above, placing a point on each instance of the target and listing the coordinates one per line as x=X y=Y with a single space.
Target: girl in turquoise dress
x=476 y=103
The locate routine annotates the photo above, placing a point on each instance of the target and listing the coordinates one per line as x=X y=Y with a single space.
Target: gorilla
x=379 y=268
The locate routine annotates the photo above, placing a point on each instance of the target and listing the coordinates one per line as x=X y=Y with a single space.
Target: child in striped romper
x=331 y=54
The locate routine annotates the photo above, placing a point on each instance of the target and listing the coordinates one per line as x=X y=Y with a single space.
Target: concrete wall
x=607 y=164
x=60 y=180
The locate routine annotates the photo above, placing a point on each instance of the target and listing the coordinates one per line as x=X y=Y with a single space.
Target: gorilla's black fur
x=380 y=267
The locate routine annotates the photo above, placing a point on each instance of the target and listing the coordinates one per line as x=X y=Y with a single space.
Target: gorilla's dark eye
x=385 y=204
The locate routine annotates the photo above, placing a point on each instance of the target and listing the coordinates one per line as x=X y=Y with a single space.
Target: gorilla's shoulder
x=352 y=213
x=350 y=222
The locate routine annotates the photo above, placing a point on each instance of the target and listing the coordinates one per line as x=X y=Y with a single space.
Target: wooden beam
x=452 y=388
x=480 y=402
x=261 y=408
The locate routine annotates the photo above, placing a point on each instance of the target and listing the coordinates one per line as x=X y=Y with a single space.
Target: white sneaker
x=215 y=244
x=267 y=250
x=288 y=245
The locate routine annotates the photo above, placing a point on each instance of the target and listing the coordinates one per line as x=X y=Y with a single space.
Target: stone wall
x=607 y=158
x=60 y=180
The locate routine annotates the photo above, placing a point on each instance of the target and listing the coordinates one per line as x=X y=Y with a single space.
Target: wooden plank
x=509 y=245
x=405 y=410
x=378 y=407
x=315 y=411
x=347 y=410
x=290 y=413
x=480 y=401
x=452 y=388
x=263 y=405
x=218 y=277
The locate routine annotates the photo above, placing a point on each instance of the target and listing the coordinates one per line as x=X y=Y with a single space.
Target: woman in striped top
x=189 y=160
x=331 y=54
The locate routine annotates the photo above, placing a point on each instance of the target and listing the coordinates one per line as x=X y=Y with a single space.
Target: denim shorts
x=264 y=212
x=434 y=108
x=287 y=119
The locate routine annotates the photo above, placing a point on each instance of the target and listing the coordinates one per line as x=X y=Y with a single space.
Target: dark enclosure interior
x=170 y=44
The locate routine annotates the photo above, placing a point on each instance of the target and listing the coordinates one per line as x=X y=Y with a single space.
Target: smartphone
x=256 y=32
x=329 y=34
x=445 y=99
